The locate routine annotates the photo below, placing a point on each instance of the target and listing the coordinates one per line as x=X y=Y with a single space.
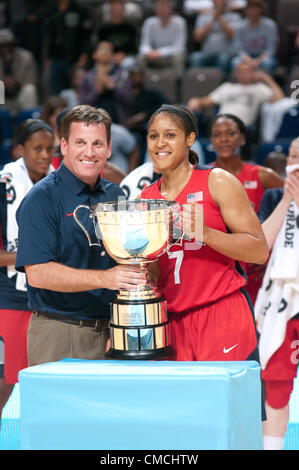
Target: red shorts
x=222 y=331
x=13 y=330
x=282 y=368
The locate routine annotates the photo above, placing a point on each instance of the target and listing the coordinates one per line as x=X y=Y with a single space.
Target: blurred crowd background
x=129 y=57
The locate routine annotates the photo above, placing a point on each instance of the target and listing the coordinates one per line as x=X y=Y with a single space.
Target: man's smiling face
x=86 y=150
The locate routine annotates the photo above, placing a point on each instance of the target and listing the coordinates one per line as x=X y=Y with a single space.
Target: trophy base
x=139 y=329
x=162 y=354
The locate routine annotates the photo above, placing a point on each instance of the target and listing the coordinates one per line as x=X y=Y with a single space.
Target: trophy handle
x=183 y=236
x=178 y=241
x=82 y=226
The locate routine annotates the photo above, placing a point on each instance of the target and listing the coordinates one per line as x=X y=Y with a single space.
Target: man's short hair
x=88 y=114
x=255 y=3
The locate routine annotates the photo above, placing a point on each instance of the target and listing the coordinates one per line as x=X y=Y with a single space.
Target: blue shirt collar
x=75 y=184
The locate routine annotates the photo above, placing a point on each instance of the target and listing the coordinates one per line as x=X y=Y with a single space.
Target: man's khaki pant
x=50 y=340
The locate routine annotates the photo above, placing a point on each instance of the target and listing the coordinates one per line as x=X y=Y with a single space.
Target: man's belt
x=97 y=324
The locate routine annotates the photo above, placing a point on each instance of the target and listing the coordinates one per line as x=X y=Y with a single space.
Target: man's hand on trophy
x=126 y=277
x=192 y=221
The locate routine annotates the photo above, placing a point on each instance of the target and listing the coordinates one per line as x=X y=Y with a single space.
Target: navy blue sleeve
x=269 y=201
x=37 y=229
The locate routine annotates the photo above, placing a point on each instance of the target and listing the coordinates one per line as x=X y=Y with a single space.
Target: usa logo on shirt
x=195 y=197
x=250 y=184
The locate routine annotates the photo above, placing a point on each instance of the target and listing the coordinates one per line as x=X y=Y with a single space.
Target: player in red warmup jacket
x=210 y=313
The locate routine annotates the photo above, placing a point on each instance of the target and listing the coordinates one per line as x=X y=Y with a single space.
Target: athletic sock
x=273 y=442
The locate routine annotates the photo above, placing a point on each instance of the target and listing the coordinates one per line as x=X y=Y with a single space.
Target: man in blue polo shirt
x=70 y=285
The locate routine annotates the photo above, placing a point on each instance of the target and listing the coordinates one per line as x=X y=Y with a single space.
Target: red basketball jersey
x=192 y=276
x=249 y=177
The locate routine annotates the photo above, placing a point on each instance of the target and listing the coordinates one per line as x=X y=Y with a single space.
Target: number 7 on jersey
x=179 y=255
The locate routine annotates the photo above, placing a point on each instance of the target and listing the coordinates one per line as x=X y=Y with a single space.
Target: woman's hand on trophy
x=123 y=276
x=192 y=221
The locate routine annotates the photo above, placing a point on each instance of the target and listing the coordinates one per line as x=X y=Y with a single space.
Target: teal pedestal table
x=139 y=405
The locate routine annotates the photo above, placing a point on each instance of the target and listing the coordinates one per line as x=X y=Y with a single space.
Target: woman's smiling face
x=167 y=143
x=226 y=137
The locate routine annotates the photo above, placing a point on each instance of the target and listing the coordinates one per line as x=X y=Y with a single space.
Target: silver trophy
x=136 y=232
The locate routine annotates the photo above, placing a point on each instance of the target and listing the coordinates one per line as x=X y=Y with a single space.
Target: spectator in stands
x=27 y=29
x=105 y=85
x=214 y=33
x=244 y=97
x=256 y=40
x=18 y=73
x=163 y=38
x=121 y=33
x=71 y=95
x=142 y=103
x=125 y=151
x=272 y=117
x=66 y=31
x=196 y=7
x=133 y=11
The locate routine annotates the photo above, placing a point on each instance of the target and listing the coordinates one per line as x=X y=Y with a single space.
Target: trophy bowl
x=136 y=232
